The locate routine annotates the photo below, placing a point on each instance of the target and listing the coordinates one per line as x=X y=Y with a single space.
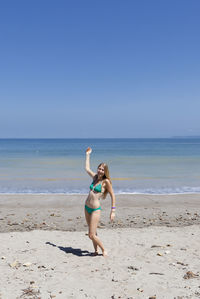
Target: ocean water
x=147 y=166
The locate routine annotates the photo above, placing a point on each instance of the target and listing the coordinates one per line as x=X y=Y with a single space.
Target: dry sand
x=45 y=251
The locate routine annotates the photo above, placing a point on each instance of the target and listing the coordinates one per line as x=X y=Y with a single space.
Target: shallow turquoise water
x=136 y=165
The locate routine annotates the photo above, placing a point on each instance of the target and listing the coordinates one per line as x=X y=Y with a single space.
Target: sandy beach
x=153 y=248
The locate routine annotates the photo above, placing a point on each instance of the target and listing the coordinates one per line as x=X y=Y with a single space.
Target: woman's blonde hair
x=106 y=176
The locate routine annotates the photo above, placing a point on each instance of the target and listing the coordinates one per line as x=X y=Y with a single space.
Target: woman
x=100 y=186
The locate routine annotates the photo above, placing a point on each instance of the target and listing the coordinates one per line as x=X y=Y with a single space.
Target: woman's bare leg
x=88 y=220
x=94 y=220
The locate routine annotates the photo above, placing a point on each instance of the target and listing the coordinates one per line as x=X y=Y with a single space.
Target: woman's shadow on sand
x=75 y=251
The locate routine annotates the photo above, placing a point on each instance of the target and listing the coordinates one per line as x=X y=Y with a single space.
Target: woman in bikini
x=100 y=187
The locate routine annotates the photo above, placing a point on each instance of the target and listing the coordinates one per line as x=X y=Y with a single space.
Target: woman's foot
x=105 y=254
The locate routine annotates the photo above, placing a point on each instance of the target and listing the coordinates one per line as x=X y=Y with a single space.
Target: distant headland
x=197 y=136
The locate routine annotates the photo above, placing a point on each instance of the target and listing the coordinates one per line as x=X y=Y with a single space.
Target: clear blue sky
x=104 y=68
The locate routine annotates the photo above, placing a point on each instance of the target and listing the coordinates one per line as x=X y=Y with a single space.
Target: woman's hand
x=88 y=150
x=87 y=162
x=112 y=215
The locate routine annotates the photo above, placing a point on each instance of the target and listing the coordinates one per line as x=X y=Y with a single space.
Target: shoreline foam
x=81 y=193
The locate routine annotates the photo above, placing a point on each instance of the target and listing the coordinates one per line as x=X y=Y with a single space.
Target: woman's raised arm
x=87 y=162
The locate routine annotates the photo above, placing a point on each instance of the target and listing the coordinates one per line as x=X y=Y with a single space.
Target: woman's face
x=100 y=171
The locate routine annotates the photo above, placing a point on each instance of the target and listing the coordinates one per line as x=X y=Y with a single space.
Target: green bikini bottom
x=90 y=210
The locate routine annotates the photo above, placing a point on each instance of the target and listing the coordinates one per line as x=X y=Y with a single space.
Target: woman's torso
x=96 y=192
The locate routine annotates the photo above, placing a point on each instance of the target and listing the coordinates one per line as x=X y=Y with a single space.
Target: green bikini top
x=97 y=188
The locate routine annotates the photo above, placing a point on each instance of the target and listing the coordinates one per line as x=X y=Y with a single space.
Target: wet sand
x=66 y=212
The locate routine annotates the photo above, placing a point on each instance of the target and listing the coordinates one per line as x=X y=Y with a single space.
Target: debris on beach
x=114 y=280
x=156 y=273
x=190 y=274
x=159 y=254
x=13 y=223
x=29 y=292
x=15 y=264
x=133 y=268
x=152 y=297
x=28 y=264
x=140 y=290
x=43 y=267
x=182 y=264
